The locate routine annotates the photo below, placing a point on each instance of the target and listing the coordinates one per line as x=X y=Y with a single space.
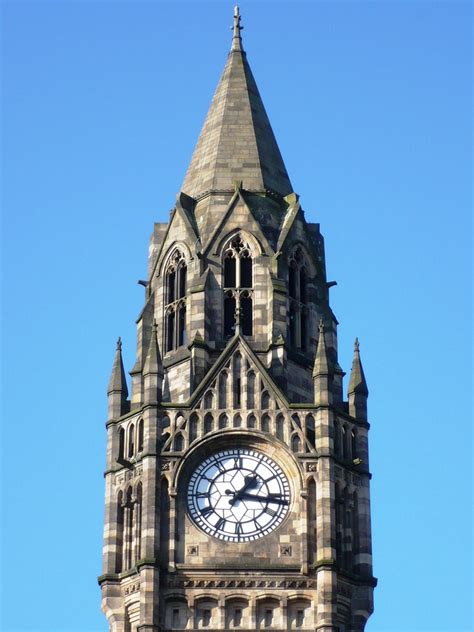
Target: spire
x=358 y=391
x=357 y=383
x=236 y=141
x=321 y=364
x=153 y=370
x=117 y=391
x=153 y=362
x=321 y=377
x=236 y=36
x=118 y=381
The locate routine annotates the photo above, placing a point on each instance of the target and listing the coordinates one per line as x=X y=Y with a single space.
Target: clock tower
x=237 y=477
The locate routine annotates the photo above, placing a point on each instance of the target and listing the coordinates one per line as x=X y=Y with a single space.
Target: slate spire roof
x=236 y=141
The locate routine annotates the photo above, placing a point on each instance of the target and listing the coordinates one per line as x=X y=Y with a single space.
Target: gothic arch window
x=353 y=444
x=237 y=421
x=140 y=435
x=175 y=302
x=121 y=450
x=178 y=443
x=120 y=518
x=310 y=430
x=208 y=423
x=266 y=423
x=223 y=390
x=237 y=381
x=223 y=421
x=265 y=400
x=298 y=300
x=251 y=389
x=209 y=400
x=138 y=519
x=280 y=427
x=193 y=427
x=238 y=288
x=344 y=442
x=251 y=421
x=296 y=443
x=131 y=441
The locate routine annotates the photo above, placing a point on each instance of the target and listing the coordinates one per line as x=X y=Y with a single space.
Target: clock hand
x=267 y=499
x=251 y=481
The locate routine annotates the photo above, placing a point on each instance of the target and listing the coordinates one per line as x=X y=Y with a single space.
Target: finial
x=119 y=344
x=356 y=345
x=236 y=28
x=321 y=326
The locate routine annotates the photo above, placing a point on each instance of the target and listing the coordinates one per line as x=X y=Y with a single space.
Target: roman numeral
x=238 y=463
x=202 y=495
x=238 y=528
x=220 y=524
x=206 y=511
x=270 y=511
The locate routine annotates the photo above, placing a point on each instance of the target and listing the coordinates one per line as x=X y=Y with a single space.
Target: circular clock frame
x=238 y=495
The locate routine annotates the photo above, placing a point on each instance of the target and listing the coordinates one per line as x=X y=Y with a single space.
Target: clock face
x=238 y=495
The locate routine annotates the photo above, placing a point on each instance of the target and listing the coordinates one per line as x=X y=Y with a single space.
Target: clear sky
x=102 y=105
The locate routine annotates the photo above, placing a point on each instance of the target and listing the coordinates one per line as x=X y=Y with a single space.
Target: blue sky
x=102 y=105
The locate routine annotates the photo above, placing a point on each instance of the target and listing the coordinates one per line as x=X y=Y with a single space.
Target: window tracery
x=175 y=302
x=238 y=288
x=298 y=299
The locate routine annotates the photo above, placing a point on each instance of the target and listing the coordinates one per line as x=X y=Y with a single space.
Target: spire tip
x=236 y=28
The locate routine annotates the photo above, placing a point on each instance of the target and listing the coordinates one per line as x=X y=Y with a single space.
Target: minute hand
x=266 y=499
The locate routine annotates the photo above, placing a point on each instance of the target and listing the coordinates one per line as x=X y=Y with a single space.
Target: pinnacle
x=321 y=364
x=118 y=381
x=357 y=382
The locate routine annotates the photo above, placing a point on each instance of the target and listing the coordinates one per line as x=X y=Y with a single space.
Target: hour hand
x=251 y=481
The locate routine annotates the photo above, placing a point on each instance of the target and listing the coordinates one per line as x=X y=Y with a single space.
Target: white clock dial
x=238 y=495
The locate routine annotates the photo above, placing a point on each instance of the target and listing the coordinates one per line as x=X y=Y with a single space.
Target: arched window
x=121 y=450
x=353 y=444
x=344 y=442
x=140 y=435
x=223 y=421
x=251 y=421
x=266 y=423
x=119 y=549
x=208 y=423
x=209 y=400
x=295 y=443
x=131 y=441
x=237 y=421
x=237 y=382
x=298 y=299
x=178 y=443
x=193 y=427
x=251 y=390
x=265 y=400
x=310 y=430
x=280 y=427
x=238 y=288
x=138 y=519
x=223 y=390
x=175 y=302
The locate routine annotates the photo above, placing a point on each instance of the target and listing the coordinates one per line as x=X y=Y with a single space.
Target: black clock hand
x=267 y=499
x=251 y=481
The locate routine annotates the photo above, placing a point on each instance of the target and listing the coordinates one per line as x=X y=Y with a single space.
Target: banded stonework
x=237 y=355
